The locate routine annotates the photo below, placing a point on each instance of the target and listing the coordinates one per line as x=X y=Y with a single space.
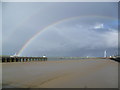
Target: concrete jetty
x=22 y=59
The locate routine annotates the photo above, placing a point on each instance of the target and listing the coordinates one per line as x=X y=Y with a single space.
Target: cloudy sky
x=0 y=29
x=59 y=29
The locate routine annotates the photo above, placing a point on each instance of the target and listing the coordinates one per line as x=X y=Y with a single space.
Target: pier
x=22 y=59
x=117 y=58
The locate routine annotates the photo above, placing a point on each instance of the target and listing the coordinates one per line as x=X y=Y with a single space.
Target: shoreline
x=92 y=73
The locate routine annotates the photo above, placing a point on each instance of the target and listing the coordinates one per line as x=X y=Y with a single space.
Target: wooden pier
x=23 y=59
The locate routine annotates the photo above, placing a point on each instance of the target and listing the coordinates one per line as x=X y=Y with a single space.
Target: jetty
x=116 y=58
x=22 y=59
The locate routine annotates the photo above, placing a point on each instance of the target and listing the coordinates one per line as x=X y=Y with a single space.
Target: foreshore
x=87 y=73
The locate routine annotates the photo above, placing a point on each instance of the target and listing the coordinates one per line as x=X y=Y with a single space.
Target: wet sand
x=0 y=75
x=87 y=73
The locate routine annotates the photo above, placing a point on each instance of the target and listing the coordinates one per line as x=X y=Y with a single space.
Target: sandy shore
x=88 y=73
x=0 y=75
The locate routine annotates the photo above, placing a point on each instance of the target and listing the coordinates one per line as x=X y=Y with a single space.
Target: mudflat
x=86 y=73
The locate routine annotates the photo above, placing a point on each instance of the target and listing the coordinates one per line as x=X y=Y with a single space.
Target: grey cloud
x=22 y=20
x=72 y=39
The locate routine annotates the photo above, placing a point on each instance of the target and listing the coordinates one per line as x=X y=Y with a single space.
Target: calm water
x=57 y=58
x=66 y=58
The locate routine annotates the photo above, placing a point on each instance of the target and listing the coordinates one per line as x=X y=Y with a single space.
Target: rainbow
x=53 y=24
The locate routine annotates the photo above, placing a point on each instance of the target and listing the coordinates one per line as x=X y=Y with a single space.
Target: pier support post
x=5 y=59
x=10 y=60
x=14 y=59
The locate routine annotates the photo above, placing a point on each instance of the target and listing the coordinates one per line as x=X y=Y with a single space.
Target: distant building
x=105 y=53
x=15 y=55
x=43 y=56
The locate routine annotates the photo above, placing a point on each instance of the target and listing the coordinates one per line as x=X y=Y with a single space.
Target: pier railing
x=23 y=59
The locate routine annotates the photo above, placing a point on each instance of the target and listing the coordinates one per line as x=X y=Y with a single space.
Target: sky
x=60 y=29
x=0 y=29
